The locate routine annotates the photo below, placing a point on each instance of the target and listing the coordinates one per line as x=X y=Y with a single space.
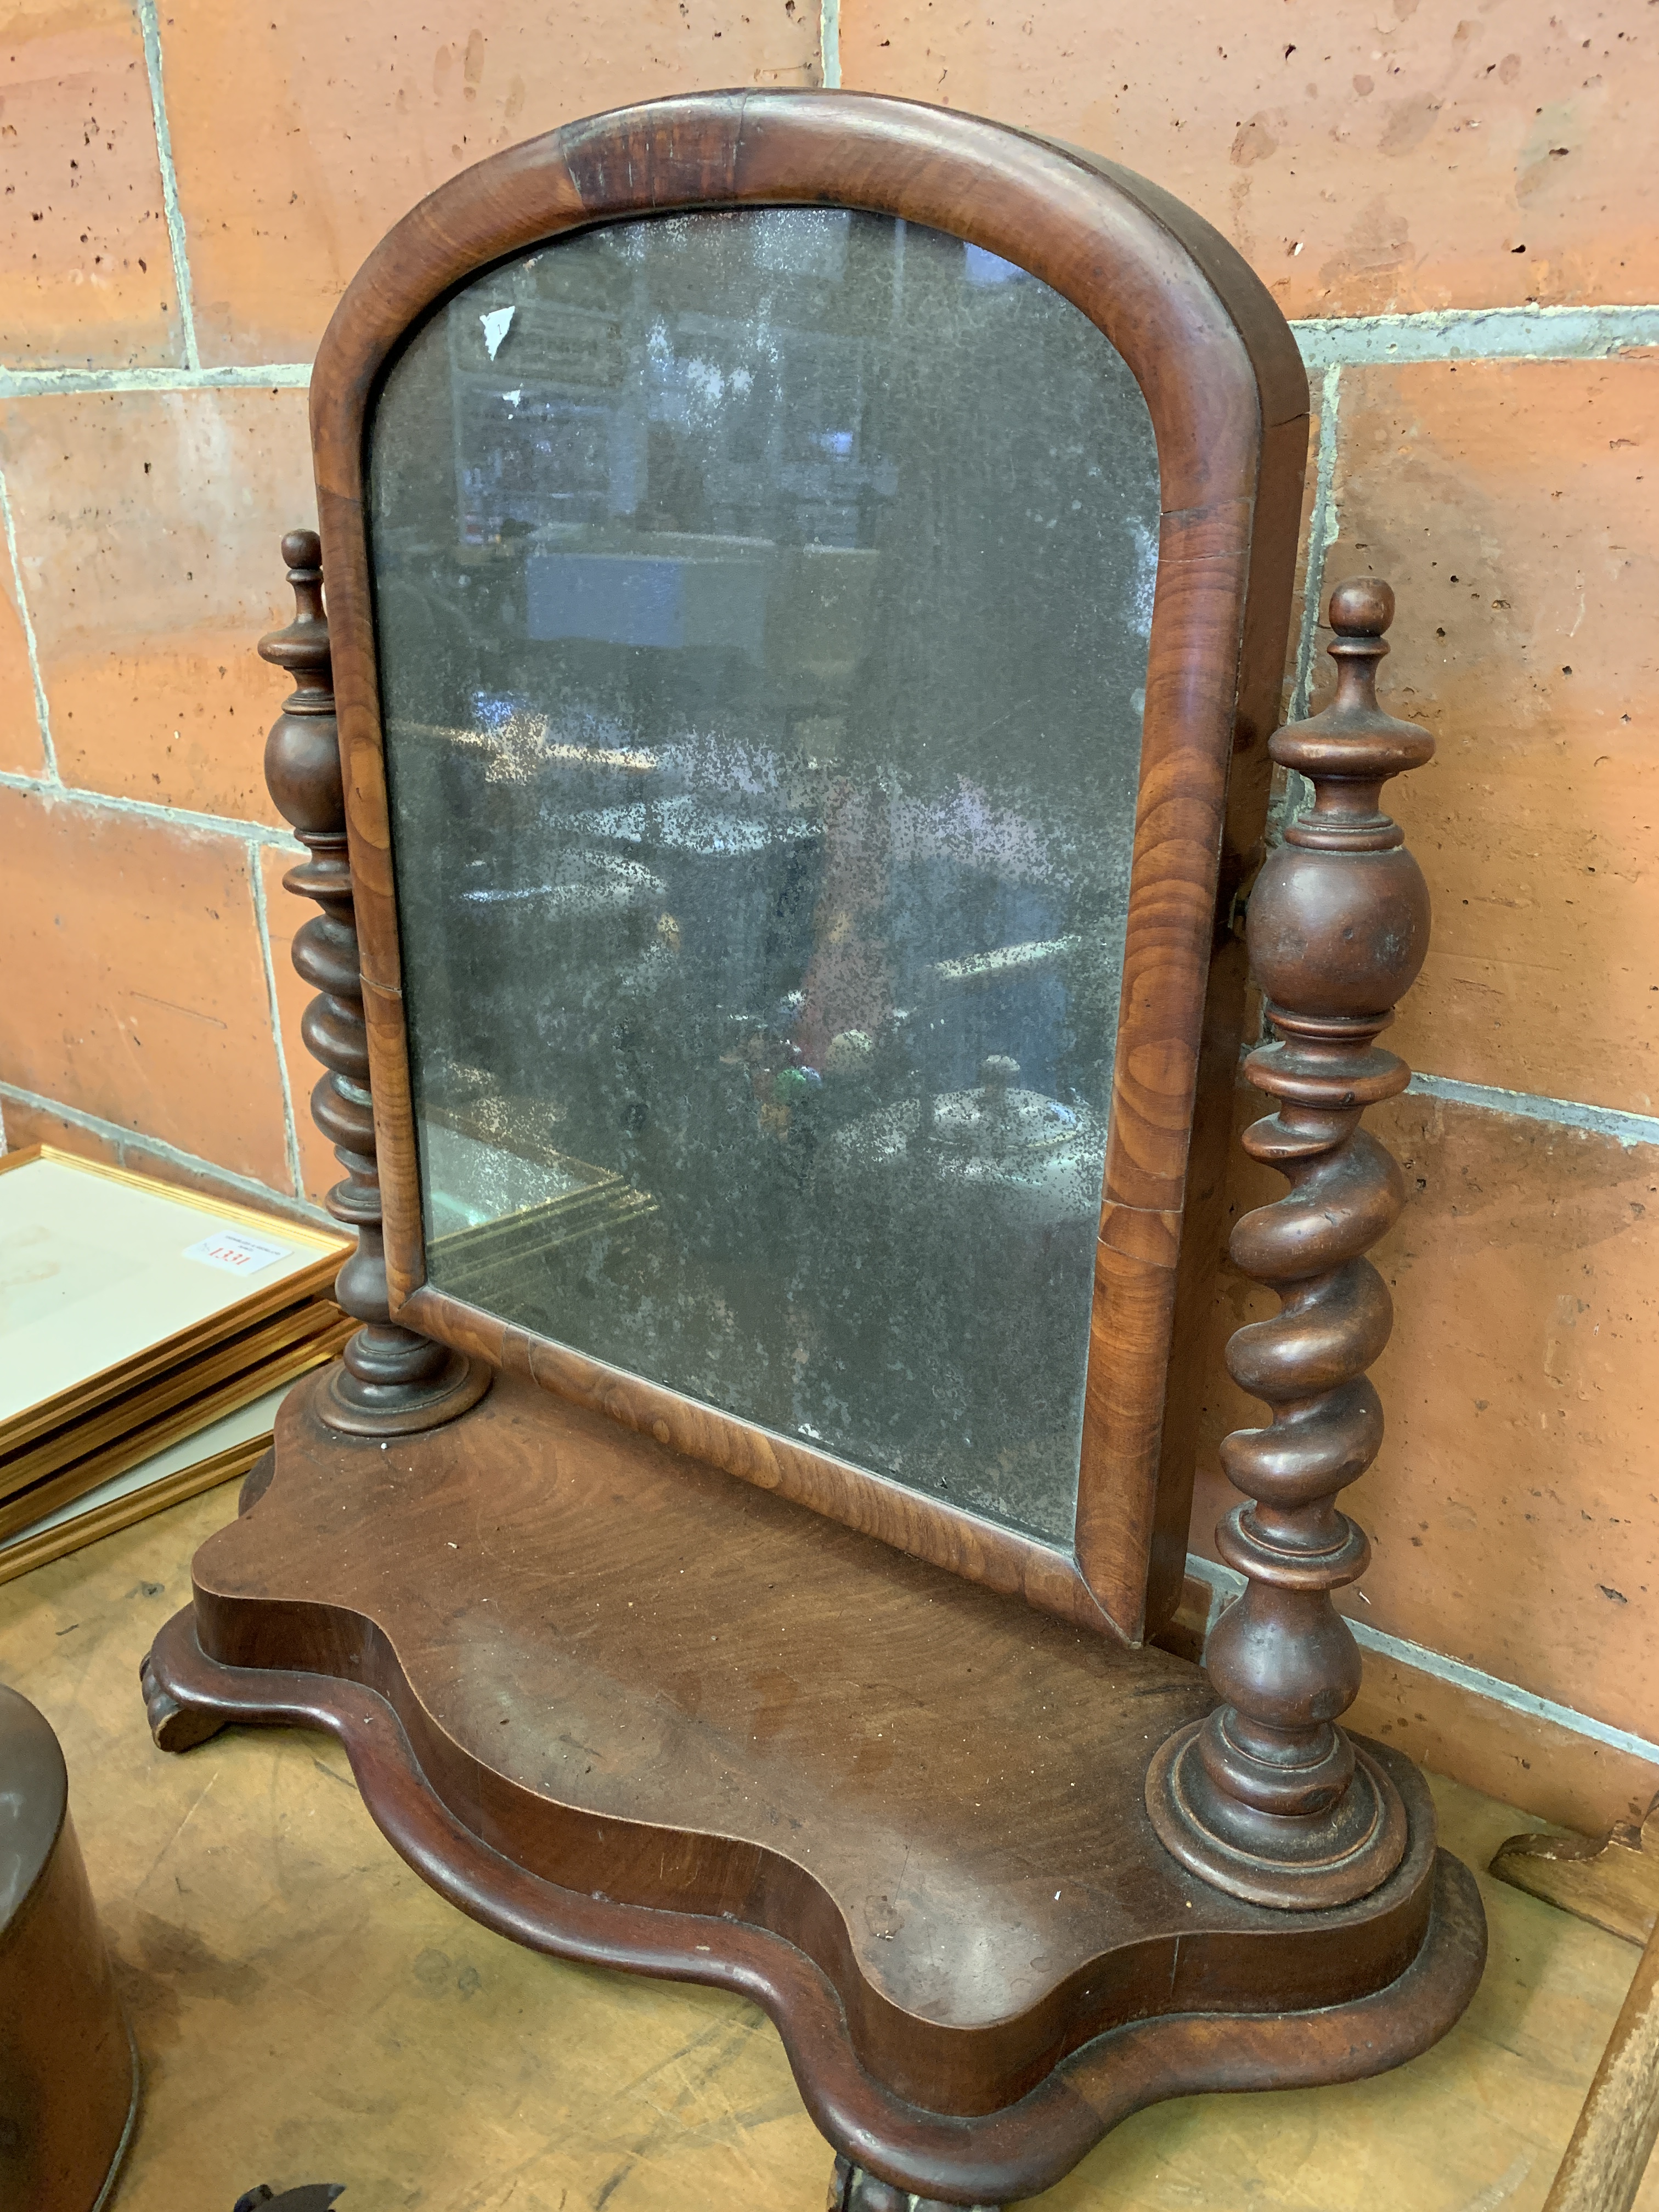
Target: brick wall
x=1458 y=214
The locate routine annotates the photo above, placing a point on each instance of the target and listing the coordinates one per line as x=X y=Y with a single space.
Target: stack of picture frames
x=147 y=1336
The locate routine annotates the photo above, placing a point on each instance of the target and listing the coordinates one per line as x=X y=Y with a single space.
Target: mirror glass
x=762 y=601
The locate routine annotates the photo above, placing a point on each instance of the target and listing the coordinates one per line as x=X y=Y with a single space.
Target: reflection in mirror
x=762 y=601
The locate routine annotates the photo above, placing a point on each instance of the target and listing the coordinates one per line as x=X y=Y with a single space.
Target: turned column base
x=387 y=1404
x=1308 y=1863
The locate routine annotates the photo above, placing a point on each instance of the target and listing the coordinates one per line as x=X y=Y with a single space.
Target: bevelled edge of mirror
x=1228 y=398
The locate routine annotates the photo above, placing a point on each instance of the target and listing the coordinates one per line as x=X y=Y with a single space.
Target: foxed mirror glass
x=761 y=603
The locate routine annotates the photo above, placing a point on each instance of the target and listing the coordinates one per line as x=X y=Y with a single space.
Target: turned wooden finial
x=391 y=1381
x=1267 y=1798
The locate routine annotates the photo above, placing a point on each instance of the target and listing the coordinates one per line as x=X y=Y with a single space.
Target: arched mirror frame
x=1228 y=398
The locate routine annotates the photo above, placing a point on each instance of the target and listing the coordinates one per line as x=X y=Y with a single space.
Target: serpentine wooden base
x=631 y=1711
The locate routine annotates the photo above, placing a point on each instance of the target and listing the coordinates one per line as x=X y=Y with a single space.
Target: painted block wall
x=1458 y=212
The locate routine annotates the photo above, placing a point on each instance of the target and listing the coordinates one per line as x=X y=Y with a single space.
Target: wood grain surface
x=1612 y=1880
x=632 y=1710
x=261 y=1928
x=1613 y=2140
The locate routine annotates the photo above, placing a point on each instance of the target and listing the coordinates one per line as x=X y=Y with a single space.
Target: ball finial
x=302 y=548
x=1362 y=607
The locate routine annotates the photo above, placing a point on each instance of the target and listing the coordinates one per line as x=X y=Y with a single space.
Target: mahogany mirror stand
x=663 y=1627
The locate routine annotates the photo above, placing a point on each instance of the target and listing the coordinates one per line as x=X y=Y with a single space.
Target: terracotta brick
x=284 y=915
x=299 y=141
x=1512 y=1508
x=135 y=987
x=1514 y=507
x=86 y=273
x=148 y=525
x=20 y=749
x=1546 y=1769
x=1362 y=158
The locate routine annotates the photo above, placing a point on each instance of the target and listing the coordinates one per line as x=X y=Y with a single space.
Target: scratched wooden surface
x=305 y=2009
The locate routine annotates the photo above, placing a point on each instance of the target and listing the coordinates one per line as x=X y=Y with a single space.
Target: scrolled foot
x=174 y=1726
x=852 y=2190
x=866 y=2194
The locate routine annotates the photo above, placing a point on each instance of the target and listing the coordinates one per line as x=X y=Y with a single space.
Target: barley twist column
x=392 y=1382
x=1267 y=1798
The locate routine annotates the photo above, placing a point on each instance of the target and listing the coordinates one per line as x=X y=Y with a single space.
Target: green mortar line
x=1227 y=1584
x=62 y=383
x=117 y=1134
x=1459 y=334
x=1627 y=1129
x=1456 y=334
x=290 y=1127
x=178 y=818
x=175 y=214
x=42 y=715
x=829 y=44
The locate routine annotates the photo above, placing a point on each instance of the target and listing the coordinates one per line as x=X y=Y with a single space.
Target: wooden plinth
x=631 y=1711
